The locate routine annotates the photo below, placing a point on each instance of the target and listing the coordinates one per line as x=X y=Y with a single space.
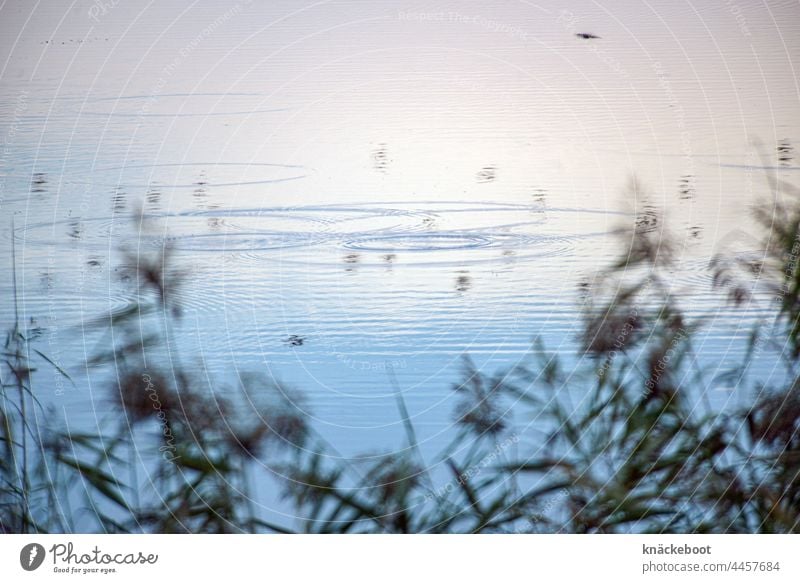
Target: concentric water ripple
x=188 y=175
x=425 y=233
x=418 y=243
x=224 y=242
x=177 y=105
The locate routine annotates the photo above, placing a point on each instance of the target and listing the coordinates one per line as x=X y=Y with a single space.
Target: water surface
x=363 y=186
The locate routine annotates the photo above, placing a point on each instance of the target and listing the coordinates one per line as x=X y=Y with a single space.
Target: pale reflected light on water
x=357 y=186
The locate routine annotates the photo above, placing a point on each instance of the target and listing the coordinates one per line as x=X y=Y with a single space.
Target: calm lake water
x=356 y=186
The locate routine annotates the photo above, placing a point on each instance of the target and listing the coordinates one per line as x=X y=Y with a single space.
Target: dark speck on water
x=295 y=340
x=487 y=174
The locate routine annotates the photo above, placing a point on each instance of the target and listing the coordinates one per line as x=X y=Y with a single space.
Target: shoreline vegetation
x=628 y=441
